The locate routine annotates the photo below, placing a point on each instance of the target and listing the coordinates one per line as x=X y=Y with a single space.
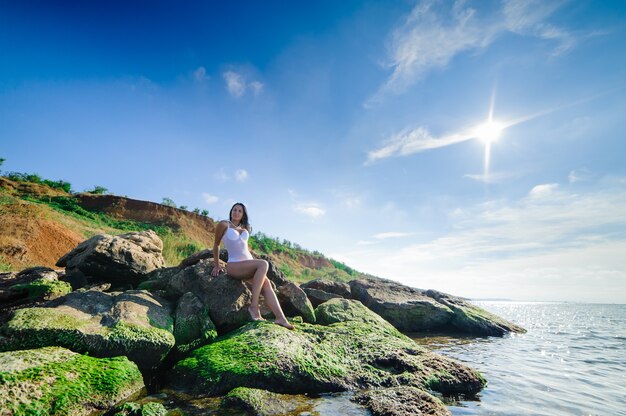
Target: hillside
x=39 y=223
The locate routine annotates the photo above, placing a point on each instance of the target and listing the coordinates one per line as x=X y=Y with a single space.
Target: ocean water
x=572 y=361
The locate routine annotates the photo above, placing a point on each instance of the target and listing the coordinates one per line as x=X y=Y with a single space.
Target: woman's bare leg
x=243 y=270
x=274 y=305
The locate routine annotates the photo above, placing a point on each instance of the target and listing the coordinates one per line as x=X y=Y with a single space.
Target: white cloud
x=237 y=84
x=241 y=175
x=312 y=210
x=391 y=234
x=543 y=190
x=578 y=175
x=491 y=177
x=209 y=199
x=409 y=141
x=430 y=36
x=200 y=74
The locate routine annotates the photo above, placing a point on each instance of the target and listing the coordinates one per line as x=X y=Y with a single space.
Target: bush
x=169 y=202
x=98 y=190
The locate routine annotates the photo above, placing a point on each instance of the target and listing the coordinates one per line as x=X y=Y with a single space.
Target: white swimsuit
x=237 y=245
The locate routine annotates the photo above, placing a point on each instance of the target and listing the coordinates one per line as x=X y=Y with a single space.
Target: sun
x=489 y=132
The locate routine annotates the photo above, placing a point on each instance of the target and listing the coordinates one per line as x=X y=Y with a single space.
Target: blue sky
x=348 y=127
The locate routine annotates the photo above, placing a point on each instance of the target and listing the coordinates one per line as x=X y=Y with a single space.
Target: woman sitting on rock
x=241 y=264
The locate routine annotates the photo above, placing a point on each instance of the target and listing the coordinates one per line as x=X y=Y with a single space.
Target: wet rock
x=54 y=380
x=135 y=324
x=401 y=401
x=122 y=259
x=258 y=402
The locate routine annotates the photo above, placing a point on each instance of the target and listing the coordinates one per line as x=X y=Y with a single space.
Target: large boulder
x=342 y=310
x=415 y=310
x=406 y=308
x=313 y=358
x=56 y=381
x=134 y=323
x=122 y=260
x=294 y=301
x=472 y=319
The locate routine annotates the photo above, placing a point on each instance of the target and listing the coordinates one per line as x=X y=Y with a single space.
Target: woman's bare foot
x=255 y=314
x=284 y=323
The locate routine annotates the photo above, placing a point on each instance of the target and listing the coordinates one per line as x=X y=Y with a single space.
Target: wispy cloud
x=221 y=175
x=312 y=210
x=431 y=36
x=237 y=84
x=241 y=175
x=391 y=234
x=200 y=75
x=209 y=199
x=491 y=177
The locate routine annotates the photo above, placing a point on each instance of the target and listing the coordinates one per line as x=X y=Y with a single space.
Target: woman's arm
x=219 y=233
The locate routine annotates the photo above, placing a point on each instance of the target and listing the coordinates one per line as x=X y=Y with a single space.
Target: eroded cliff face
x=195 y=226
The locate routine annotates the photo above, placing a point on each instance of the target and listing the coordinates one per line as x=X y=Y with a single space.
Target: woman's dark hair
x=244 y=219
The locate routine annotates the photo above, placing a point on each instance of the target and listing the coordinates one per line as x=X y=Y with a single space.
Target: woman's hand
x=217 y=270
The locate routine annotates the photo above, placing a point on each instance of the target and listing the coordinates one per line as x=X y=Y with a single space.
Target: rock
x=273 y=273
x=294 y=301
x=192 y=325
x=201 y=255
x=408 y=309
x=226 y=299
x=158 y=279
x=57 y=381
x=343 y=310
x=137 y=409
x=35 y=283
x=401 y=401
x=133 y=323
x=314 y=358
x=329 y=286
x=472 y=319
x=122 y=259
x=257 y=402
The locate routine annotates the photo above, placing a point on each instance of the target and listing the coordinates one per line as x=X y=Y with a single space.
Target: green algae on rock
x=261 y=402
x=56 y=381
x=314 y=358
x=134 y=324
x=43 y=288
x=136 y=409
x=404 y=400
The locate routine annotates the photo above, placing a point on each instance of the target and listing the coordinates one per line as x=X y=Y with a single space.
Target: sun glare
x=489 y=132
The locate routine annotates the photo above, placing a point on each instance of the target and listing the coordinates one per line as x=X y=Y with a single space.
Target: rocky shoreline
x=115 y=322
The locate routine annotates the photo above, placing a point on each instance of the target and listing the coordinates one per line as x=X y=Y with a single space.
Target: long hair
x=244 y=219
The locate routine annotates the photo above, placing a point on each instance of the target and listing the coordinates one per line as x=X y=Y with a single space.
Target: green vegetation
x=58 y=382
x=98 y=190
x=168 y=202
x=34 y=178
x=43 y=288
x=4 y=266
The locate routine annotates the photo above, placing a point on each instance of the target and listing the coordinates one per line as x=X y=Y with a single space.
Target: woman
x=241 y=264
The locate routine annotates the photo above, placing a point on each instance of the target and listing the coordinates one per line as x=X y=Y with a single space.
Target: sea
x=572 y=361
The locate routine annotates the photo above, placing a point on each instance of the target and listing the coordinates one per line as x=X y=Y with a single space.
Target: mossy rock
x=133 y=324
x=192 y=324
x=258 y=402
x=315 y=358
x=343 y=310
x=404 y=400
x=136 y=409
x=56 y=381
x=43 y=288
